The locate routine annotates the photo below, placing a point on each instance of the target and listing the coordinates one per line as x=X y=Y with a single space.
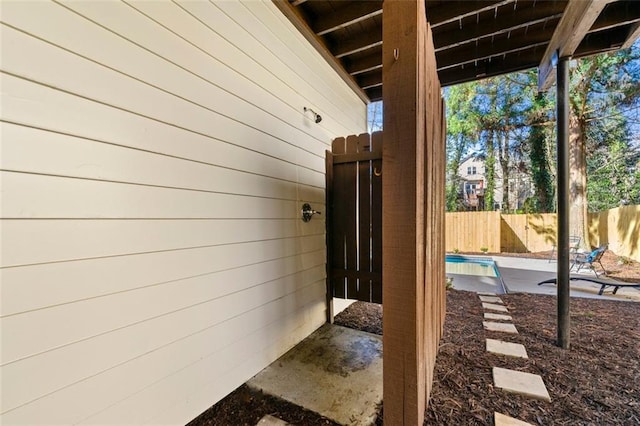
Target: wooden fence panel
x=472 y=231
x=522 y=233
x=620 y=227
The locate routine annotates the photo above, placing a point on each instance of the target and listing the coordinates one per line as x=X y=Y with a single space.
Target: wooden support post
x=563 y=202
x=413 y=211
x=402 y=220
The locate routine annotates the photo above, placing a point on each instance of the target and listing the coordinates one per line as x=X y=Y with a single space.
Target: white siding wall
x=155 y=157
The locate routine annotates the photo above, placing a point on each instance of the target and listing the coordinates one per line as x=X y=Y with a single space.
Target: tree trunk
x=490 y=175
x=504 y=165
x=578 y=181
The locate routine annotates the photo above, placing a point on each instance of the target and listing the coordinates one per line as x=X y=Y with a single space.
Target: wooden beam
x=359 y=43
x=602 y=41
x=617 y=14
x=413 y=161
x=370 y=79
x=634 y=34
x=578 y=18
x=364 y=64
x=294 y=17
x=374 y=93
x=522 y=39
x=354 y=11
x=402 y=226
x=485 y=68
x=451 y=11
x=450 y=35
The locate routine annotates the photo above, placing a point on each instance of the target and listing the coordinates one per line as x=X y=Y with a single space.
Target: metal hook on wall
x=376 y=172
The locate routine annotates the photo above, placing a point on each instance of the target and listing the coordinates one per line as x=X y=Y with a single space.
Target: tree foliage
x=504 y=121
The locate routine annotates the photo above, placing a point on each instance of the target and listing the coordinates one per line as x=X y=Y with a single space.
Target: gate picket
x=354 y=232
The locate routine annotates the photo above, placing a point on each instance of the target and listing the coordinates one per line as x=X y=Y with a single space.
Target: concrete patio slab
x=504 y=420
x=500 y=326
x=269 y=420
x=506 y=348
x=336 y=372
x=521 y=383
x=494 y=307
x=491 y=299
x=477 y=284
x=500 y=317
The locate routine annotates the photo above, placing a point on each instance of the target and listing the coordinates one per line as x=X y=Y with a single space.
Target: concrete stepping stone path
x=506 y=348
x=269 y=420
x=521 y=383
x=491 y=299
x=504 y=420
x=499 y=317
x=494 y=307
x=500 y=326
x=518 y=382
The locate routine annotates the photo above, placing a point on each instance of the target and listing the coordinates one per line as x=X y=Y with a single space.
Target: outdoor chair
x=603 y=282
x=589 y=259
x=574 y=244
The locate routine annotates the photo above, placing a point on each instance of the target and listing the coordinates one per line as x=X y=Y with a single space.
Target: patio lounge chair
x=604 y=282
x=584 y=259
x=574 y=244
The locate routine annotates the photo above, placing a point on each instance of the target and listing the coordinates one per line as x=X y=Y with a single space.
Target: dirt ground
x=596 y=382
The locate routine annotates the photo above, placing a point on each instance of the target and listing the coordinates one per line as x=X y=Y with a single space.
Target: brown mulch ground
x=596 y=382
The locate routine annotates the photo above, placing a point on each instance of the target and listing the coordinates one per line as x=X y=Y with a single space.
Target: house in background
x=473 y=186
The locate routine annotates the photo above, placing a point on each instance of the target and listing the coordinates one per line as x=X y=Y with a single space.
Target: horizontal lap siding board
x=155 y=159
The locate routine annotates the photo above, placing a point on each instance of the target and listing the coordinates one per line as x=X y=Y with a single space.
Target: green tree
x=600 y=85
x=462 y=124
x=539 y=155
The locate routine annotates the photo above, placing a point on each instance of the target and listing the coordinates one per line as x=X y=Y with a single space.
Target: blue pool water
x=465 y=265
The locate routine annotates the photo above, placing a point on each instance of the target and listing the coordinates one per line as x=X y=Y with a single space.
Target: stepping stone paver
x=492 y=316
x=518 y=382
x=506 y=348
x=494 y=307
x=269 y=420
x=500 y=326
x=484 y=293
x=504 y=420
x=491 y=299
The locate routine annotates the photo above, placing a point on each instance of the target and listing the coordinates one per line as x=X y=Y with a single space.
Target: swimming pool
x=465 y=265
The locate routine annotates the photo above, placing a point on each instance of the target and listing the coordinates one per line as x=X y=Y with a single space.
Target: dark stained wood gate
x=354 y=218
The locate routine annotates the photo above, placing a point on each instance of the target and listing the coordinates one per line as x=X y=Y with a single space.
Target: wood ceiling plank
x=357 y=43
x=617 y=14
x=452 y=11
x=602 y=41
x=370 y=79
x=469 y=53
x=450 y=35
x=301 y=25
x=353 y=12
x=634 y=34
x=578 y=18
x=486 y=69
x=365 y=63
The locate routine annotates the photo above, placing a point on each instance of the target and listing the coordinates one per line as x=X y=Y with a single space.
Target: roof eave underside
x=474 y=39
